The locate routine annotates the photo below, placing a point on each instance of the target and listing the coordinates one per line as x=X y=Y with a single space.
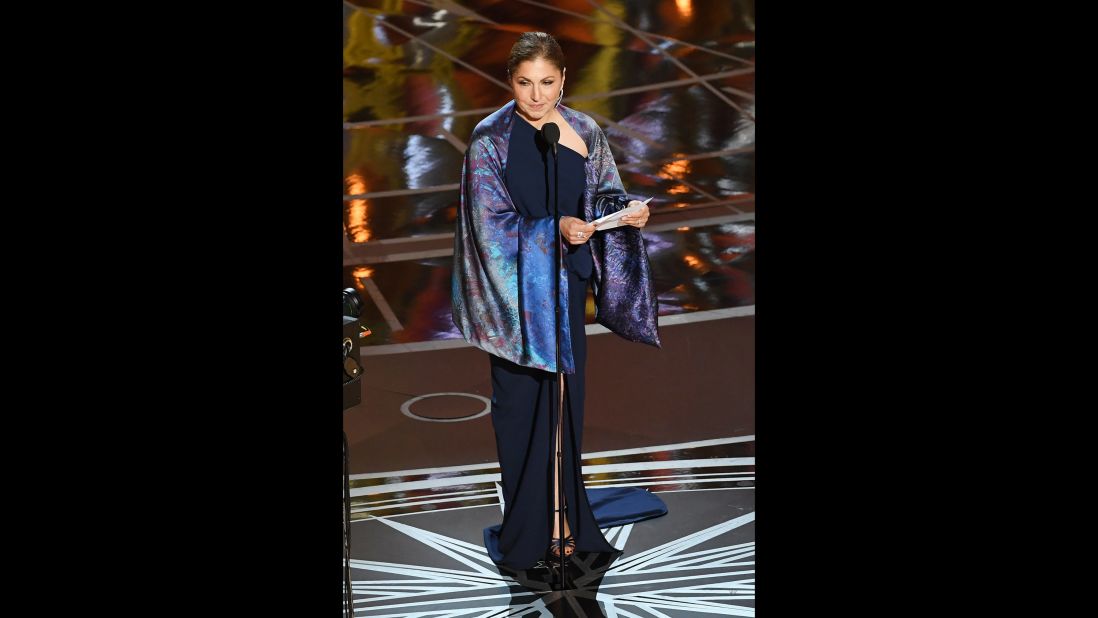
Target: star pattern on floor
x=673 y=578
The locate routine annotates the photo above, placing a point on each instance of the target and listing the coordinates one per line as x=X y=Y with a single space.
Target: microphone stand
x=561 y=583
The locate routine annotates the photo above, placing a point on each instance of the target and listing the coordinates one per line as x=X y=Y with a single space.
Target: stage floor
x=671 y=83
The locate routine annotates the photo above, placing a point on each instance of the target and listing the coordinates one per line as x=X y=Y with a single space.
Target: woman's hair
x=534 y=45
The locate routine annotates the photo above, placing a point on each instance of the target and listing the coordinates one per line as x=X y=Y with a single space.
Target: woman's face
x=536 y=85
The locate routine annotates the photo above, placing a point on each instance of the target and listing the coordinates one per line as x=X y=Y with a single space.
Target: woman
x=504 y=264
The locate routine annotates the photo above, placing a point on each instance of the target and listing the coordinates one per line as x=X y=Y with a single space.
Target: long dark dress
x=522 y=416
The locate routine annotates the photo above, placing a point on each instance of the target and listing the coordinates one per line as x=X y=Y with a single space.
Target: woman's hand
x=639 y=218
x=576 y=231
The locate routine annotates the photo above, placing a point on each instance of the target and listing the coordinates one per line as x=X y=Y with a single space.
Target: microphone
x=551 y=132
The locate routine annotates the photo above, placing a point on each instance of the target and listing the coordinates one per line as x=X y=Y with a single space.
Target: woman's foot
x=569 y=542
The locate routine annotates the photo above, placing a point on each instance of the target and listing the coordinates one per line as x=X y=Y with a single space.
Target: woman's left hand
x=639 y=218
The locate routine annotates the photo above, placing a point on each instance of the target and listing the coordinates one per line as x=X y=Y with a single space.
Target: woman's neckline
x=519 y=116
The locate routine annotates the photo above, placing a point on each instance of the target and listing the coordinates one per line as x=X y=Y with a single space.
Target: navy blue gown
x=522 y=416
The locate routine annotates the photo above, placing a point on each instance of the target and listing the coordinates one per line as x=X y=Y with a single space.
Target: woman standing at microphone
x=503 y=300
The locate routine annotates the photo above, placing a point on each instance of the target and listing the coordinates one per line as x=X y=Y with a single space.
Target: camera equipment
x=352 y=332
x=352 y=396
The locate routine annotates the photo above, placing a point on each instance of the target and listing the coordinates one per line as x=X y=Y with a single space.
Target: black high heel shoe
x=569 y=547
x=555 y=543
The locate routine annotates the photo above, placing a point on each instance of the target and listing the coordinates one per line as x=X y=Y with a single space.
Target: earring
x=561 y=95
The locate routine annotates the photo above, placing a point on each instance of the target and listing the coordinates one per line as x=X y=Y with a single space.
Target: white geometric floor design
x=717 y=580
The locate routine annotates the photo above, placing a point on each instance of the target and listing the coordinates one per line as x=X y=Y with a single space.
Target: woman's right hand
x=576 y=231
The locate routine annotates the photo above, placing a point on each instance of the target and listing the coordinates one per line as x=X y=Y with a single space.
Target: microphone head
x=551 y=132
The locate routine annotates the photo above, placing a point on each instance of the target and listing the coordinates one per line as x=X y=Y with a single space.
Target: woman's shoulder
x=581 y=122
x=493 y=125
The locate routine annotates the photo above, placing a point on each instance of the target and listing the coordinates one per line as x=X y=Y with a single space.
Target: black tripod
x=348 y=597
x=352 y=396
x=551 y=132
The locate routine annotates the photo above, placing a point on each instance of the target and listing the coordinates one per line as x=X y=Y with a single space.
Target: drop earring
x=561 y=97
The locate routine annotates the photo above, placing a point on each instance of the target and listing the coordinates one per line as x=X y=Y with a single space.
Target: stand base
x=556 y=582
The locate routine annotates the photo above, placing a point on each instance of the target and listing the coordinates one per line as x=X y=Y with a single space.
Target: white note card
x=613 y=219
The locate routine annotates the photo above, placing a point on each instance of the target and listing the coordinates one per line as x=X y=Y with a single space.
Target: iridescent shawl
x=502 y=290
